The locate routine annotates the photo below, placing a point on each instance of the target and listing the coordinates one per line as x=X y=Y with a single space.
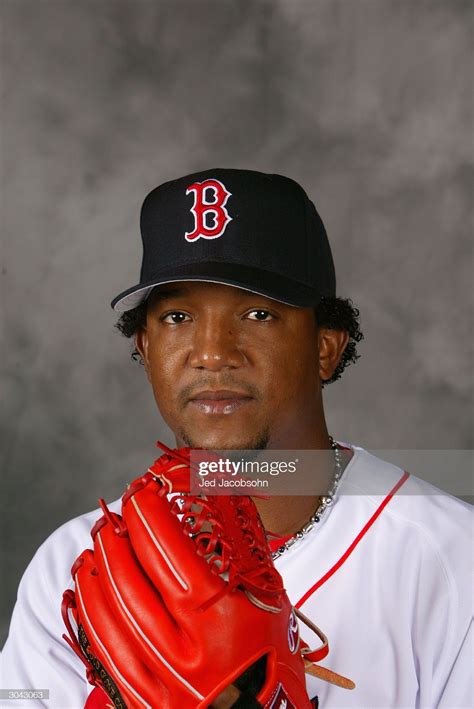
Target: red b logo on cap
x=212 y=226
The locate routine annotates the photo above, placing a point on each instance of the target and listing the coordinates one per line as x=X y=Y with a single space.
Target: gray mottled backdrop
x=366 y=102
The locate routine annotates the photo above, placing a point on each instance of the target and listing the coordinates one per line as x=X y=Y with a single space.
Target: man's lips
x=221 y=401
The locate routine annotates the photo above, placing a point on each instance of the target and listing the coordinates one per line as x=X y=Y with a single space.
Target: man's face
x=231 y=369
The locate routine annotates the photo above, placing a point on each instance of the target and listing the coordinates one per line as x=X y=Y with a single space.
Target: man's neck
x=286 y=515
x=309 y=436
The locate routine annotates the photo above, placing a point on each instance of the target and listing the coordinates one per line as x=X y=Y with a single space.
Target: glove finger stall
x=183 y=579
x=136 y=602
x=112 y=653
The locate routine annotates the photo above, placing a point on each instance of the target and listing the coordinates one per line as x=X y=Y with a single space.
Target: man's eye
x=260 y=315
x=175 y=318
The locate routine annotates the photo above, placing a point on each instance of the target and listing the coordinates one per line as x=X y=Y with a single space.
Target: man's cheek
x=163 y=371
x=164 y=390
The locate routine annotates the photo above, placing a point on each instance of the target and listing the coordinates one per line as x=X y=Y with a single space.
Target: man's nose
x=215 y=346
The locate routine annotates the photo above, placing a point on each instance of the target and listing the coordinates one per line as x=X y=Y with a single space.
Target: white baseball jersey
x=386 y=577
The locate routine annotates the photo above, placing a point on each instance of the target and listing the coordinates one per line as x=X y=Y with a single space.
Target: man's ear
x=141 y=343
x=332 y=344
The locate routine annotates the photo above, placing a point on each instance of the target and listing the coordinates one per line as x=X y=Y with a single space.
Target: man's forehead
x=183 y=289
x=169 y=291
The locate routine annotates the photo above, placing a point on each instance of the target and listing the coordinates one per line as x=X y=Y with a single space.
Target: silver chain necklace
x=325 y=502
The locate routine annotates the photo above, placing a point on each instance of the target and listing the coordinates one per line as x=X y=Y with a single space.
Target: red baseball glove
x=179 y=598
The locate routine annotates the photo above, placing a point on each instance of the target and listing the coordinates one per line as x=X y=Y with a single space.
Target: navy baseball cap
x=241 y=228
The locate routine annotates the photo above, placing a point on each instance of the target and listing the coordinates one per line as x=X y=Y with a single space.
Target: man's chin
x=218 y=441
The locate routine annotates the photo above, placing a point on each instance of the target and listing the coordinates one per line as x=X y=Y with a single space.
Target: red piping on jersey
x=356 y=541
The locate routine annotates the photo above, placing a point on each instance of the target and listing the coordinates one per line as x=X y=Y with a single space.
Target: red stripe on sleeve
x=356 y=541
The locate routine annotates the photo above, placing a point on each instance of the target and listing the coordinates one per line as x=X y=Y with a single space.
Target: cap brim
x=251 y=279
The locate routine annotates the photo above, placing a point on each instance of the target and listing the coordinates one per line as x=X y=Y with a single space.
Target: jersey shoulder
x=54 y=557
x=423 y=518
x=411 y=498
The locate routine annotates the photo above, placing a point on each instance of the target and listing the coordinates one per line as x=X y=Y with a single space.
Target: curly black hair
x=331 y=313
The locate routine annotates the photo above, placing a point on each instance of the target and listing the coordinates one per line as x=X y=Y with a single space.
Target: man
x=237 y=323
